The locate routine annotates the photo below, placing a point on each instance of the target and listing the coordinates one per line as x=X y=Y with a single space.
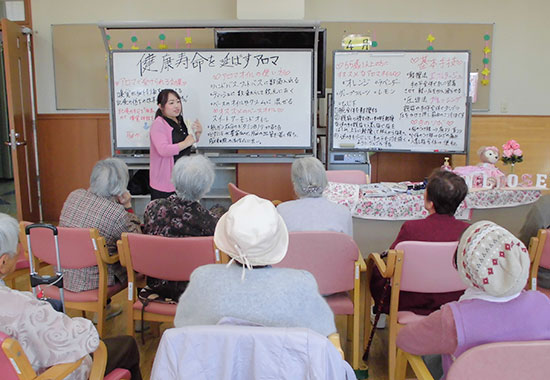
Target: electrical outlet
x=503 y=107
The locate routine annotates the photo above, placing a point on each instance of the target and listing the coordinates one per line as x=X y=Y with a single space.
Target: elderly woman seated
x=107 y=206
x=181 y=214
x=49 y=337
x=312 y=212
x=254 y=235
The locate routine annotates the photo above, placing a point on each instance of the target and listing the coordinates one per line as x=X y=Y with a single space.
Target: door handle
x=17 y=143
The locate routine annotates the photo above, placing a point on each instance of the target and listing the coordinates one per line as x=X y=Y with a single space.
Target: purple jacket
x=479 y=322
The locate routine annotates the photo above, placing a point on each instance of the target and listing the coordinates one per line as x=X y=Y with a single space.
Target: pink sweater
x=162 y=156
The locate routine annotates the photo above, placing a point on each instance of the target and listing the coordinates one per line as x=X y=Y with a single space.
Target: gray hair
x=193 y=177
x=9 y=229
x=109 y=178
x=308 y=177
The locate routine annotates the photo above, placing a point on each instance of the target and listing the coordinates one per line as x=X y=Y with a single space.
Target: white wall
x=46 y=13
x=520 y=63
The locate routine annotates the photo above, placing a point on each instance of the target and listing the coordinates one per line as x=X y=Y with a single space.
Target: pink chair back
x=235 y=193
x=329 y=256
x=76 y=247
x=428 y=267
x=545 y=257
x=170 y=258
x=356 y=177
x=6 y=368
x=503 y=361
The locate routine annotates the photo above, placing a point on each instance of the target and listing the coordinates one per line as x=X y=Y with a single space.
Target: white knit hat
x=493 y=260
x=252 y=232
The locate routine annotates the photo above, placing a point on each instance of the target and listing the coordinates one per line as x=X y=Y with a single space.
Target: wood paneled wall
x=68 y=147
x=531 y=132
x=70 y=144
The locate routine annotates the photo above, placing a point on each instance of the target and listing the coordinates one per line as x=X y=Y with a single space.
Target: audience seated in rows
x=254 y=235
x=107 y=206
x=444 y=193
x=313 y=212
x=494 y=265
x=49 y=337
x=181 y=214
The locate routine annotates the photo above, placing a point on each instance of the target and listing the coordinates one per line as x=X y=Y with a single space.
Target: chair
x=78 y=248
x=539 y=254
x=247 y=352
x=356 y=177
x=423 y=267
x=235 y=193
x=21 y=268
x=502 y=361
x=335 y=261
x=15 y=365
x=168 y=258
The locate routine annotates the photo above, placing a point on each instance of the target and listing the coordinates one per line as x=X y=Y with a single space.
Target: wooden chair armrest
x=59 y=371
x=417 y=364
x=533 y=245
x=99 y=363
x=119 y=249
x=335 y=340
x=386 y=268
x=276 y=202
x=362 y=263
x=110 y=259
x=104 y=252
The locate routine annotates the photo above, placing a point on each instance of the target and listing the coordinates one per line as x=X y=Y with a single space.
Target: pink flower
x=518 y=152
x=507 y=153
x=513 y=144
x=506 y=146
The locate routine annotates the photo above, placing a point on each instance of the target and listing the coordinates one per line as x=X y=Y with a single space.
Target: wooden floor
x=116 y=326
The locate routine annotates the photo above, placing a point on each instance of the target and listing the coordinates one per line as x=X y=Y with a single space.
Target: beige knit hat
x=491 y=259
x=252 y=232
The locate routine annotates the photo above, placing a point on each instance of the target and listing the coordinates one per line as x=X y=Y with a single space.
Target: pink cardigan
x=162 y=156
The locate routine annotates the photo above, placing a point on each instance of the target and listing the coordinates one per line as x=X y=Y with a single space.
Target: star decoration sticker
x=430 y=38
x=486 y=50
x=485 y=82
x=485 y=71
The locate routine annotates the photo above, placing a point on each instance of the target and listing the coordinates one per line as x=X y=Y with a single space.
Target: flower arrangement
x=511 y=153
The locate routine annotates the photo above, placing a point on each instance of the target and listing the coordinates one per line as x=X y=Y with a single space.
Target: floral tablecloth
x=411 y=206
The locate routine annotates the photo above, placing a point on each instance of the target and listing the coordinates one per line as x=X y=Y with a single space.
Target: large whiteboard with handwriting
x=243 y=99
x=401 y=101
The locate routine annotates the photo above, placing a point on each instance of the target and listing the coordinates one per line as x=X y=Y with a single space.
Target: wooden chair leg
x=101 y=322
x=355 y=340
x=155 y=328
x=400 y=366
x=130 y=330
x=392 y=352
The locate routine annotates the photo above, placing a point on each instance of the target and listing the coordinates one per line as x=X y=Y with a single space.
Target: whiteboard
x=243 y=99
x=413 y=101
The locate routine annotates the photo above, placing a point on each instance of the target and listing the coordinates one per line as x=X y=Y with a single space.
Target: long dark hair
x=162 y=99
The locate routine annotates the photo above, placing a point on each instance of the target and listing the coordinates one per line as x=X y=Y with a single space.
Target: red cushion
x=157 y=308
x=22 y=263
x=340 y=303
x=85 y=296
x=118 y=374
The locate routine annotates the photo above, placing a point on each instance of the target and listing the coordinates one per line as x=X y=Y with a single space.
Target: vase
x=512 y=168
